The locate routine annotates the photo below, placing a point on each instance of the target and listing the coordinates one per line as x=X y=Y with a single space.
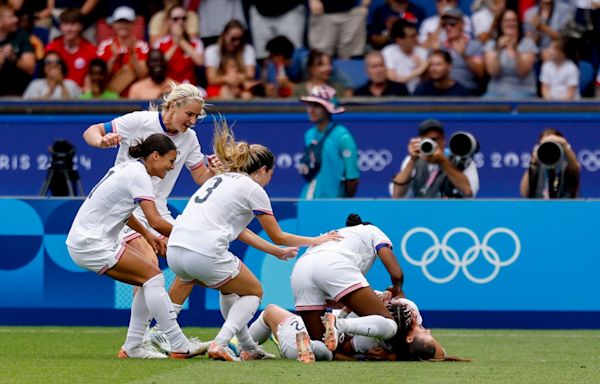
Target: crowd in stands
x=243 y=49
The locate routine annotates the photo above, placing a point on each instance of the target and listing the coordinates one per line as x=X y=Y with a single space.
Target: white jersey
x=218 y=212
x=360 y=245
x=109 y=205
x=136 y=126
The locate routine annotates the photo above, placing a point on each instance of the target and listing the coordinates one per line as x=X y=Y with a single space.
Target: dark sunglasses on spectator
x=451 y=22
x=51 y=61
x=179 y=18
x=235 y=38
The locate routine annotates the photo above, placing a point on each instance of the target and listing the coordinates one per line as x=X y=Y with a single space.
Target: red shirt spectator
x=180 y=66
x=110 y=48
x=77 y=59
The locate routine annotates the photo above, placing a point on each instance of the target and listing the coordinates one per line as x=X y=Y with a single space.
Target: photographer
x=434 y=175
x=553 y=171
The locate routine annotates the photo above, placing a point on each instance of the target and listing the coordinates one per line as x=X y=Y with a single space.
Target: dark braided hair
x=354 y=219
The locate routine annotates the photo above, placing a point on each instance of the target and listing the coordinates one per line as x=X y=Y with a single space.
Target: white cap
x=122 y=13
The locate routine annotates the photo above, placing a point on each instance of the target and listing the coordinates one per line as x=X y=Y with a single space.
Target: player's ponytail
x=239 y=156
x=154 y=143
x=354 y=219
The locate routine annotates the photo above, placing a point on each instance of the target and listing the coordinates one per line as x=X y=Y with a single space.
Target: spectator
x=587 y=17
x=271 y=18
x=183 y=52
x=98 y=75
x=237 y=86
x=385 y=15
x=157 y=84
x=26 y=24
x=158 y=26
x=405 y=60
x=378 y=84
x=54 y=8
x=124 y=54
x=544 y=21
x=231 y=43
x=434 y=176
x=17 y=60
x=559 y=75
x=75 y=50
x=509 y=60
x=467 y=54
x=486 y=17
x=440 y=84
x=55 y=85
x=338 y=175
x=550 y=181
x=431 y=32
x=278 y=69
x=338 y=27
x=319 y=70
x=215 y=15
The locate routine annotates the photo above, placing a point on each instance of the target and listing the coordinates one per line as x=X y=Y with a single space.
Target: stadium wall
x=506 y=133
x=468 y=264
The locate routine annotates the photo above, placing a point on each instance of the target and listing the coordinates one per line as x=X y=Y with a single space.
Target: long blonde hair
x=239 y=156
x=180 y=95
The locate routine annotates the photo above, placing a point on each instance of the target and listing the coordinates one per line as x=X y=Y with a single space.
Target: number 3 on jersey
x=214 y=183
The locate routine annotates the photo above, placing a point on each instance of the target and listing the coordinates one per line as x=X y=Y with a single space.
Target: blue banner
x=530 y=259
x=506 y=141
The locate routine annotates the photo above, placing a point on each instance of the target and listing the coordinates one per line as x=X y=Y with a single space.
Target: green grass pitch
x=88 y=355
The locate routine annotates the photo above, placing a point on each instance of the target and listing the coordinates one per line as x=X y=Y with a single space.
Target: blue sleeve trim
x=256 y=213
x=108 y=127
x=379 y=246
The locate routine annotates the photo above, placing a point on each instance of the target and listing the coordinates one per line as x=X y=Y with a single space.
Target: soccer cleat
x=305 y=353
x=159 y=340
x=141 y=353
x=332 y=335
x=195 y=348
x=220 y=352
x=256 y=354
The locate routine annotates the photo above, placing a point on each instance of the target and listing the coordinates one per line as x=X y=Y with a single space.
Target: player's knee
x=389 y=329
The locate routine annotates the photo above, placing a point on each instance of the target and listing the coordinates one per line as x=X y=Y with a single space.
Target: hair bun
x=353 y=219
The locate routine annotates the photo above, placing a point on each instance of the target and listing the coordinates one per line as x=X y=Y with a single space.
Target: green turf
x=88 y=355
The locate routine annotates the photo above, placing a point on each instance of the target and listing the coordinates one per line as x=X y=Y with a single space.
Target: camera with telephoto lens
x=427 y=146
x=550 y=153
x=463 y=144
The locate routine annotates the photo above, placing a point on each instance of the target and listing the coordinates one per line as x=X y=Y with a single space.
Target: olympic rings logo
x=373 y=160
x=589 y=159
x=454 y=259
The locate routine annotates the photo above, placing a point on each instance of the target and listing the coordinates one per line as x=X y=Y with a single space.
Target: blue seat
x=351 y=72
x=586 y=76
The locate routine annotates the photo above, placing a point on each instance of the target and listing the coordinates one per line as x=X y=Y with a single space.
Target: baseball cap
x=325 y=96
x=122 y=13
x=452 y=12
x=431 y=125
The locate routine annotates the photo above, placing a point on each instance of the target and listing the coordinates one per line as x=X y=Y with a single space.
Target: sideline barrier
x=471 y=264
x=506 y=140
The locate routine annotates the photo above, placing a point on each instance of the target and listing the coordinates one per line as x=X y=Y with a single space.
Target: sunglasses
x=449 y=22
x=51 y=61
x=179 y=18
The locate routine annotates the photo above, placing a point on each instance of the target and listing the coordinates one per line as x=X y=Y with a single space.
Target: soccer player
x=291 y=335
x=217 y=214
x=94 y=243
x=335 y=271
x=181 y=110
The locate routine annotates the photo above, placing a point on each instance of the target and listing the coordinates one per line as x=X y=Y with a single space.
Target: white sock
x=178 y=308
x=240 y=313
x=373 y=325
x=321 y=351
x=225 y=303
x=259 y=330
x=160 y=307
x=138 y=321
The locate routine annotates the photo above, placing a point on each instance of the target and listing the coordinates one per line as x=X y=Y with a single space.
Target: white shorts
x=213 y=272
x=101 y=259
x=128 y=234
x=323 y=276
x=286 y=336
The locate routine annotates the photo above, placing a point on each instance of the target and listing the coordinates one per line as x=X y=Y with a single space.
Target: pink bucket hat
x=324 y=95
